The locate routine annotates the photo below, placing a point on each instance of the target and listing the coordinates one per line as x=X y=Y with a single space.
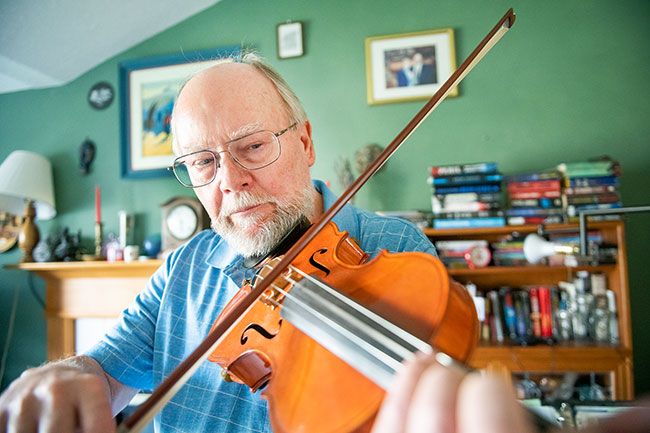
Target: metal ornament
x=87 y=152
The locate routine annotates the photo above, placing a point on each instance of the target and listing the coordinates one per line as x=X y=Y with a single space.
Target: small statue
x=366 y=156
x=86 y=155
x=44 y=250
x=67 y=247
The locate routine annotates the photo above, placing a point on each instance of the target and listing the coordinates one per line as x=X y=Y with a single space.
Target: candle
x=98 y=204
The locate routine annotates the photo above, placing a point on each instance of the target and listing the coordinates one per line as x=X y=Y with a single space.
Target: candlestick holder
x=99 y=240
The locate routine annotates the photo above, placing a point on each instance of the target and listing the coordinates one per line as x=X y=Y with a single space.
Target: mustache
x=243 y=200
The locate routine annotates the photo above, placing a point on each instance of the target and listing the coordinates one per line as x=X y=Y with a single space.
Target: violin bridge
x=275 y=295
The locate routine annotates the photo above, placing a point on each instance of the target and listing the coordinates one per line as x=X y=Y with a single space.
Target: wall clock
x=182 y=218
x=101 y=95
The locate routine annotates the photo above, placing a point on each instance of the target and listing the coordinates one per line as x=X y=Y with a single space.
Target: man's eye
x=254 y=146
x=203 y=162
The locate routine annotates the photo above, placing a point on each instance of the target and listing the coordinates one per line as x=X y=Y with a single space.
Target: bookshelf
x=615 y=362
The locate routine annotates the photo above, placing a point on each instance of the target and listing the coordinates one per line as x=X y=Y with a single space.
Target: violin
x=338 y=327
x=323 y=320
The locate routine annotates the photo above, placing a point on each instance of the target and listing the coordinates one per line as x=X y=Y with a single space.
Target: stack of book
x=591 y=185
x=509 y=252
x=466 y=195
x=535 y=198
x=459 y=254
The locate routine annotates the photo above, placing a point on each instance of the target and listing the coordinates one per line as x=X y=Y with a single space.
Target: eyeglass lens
x=253 y=151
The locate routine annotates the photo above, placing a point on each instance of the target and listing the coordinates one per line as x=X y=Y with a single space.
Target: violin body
x=308 y=388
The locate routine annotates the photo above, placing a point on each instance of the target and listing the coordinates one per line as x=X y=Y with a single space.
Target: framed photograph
x=148 y=90
x=290 y=40
x=409 y=66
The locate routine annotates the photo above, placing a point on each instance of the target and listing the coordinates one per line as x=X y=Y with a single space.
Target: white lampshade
x=27 y=176
x=536 y=248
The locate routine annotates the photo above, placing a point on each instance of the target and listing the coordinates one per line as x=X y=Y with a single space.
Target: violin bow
x=177 y=378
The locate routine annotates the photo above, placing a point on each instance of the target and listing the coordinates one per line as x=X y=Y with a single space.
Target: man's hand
x=429 y=398
x=57 y=398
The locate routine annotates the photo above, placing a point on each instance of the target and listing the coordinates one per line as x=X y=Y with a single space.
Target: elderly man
x=245 y=147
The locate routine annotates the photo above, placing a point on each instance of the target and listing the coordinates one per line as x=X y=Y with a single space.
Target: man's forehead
x=191 y=138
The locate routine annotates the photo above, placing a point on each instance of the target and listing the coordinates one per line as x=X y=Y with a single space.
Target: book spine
x=574 y=210
x=497 y=324
x=479 y=189
x=533 y=194
x=593 y=181
x=532 y=212
x=509 y=315
x=457 y=215
x=522 y=311
x=523 y=220
x=590 y=190
x=593 y=198
x=468 y=223
x=468 y=197
x=541 y=185
x=530 y=177
x=535 y=318
x=469 y=179
x=544 y=203
x=449 y=170
x=466 y=207
x=545 y=312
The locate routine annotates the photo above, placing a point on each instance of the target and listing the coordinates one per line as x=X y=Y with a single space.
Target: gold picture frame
x=409 y=66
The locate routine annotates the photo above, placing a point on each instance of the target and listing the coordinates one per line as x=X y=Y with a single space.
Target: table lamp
x=26 y=187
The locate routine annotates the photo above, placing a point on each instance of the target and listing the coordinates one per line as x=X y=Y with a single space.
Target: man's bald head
x=237 y=77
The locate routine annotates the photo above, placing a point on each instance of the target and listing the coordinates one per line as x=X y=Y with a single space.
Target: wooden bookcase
x=613 y=361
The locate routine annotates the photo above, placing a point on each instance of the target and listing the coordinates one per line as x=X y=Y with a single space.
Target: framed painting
x=409 y=66
x=289 y=40
x=148 y=90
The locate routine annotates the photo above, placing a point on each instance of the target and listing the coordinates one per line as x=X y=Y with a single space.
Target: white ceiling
x=46 y=43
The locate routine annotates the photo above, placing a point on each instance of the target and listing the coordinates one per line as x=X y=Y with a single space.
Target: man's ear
x=307 y=143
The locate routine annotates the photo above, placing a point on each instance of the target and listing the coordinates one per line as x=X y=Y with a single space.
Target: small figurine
x=86 y=155
x=67 y=247
x=44 y=250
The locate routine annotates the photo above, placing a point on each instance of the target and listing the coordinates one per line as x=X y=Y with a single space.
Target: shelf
x=508 y=270
x=491 y=231
x=552 y=359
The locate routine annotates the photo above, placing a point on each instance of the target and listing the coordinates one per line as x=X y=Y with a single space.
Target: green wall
x=568 y=82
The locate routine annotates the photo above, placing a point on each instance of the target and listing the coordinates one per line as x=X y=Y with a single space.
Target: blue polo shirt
x=181 y=301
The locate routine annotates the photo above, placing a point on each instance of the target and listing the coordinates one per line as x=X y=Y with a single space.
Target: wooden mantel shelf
x=75 y=290
x=91 y=266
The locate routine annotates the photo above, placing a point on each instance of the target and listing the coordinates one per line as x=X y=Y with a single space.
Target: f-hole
x=260 y=330
x=317 y=265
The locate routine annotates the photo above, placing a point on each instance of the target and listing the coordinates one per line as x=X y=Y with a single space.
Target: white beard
x=250 y=237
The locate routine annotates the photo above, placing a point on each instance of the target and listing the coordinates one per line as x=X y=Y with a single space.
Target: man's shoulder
x=380 y=232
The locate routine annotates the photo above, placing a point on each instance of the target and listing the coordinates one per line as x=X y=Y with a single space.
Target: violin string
x=379 y=355
x=371 y=331
x=441 y=357
x=376 y=319
x=396 y=347
x=373 y=317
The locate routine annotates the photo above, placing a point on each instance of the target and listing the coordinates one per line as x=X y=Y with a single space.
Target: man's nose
x=232 y=177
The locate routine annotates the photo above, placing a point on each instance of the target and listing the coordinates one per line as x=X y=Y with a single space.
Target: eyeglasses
x=252 y=152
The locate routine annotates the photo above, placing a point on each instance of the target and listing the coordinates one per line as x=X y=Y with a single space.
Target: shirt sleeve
x=126 y=351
